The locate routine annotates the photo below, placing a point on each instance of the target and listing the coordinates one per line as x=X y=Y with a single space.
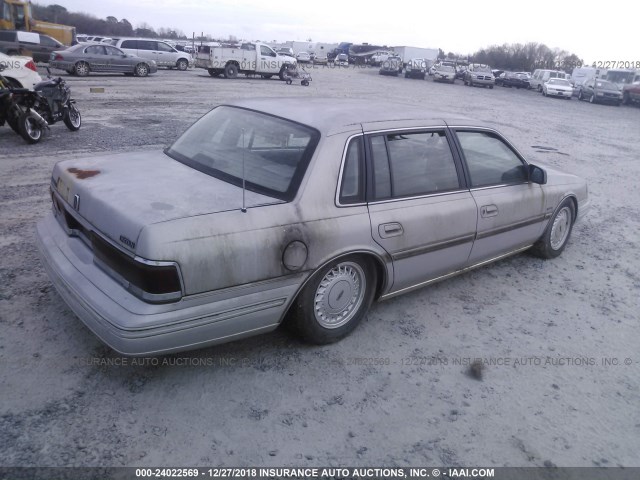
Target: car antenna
x=244 y=207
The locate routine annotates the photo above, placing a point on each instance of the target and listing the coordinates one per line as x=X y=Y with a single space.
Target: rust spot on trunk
x=82 y=174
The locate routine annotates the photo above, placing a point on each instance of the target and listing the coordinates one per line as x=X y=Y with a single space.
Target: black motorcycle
x=50 y=101
x=10 y=111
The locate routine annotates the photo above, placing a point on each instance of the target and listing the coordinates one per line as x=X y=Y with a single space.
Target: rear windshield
x=275 y=151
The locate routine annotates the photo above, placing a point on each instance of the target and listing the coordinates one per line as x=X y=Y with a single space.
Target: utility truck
x=248 y=58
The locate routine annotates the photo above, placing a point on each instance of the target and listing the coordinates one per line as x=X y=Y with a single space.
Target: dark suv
x=29 y=44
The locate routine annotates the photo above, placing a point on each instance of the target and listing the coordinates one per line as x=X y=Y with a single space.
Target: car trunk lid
x=119 y=194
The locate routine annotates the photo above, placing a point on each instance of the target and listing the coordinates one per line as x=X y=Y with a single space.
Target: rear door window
x=413 y=164
x=146 y=45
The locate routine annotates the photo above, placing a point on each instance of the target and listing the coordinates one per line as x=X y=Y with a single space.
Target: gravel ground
x=554 y=335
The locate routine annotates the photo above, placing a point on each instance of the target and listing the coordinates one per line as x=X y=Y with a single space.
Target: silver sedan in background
x=274 y=210
x=83 y=59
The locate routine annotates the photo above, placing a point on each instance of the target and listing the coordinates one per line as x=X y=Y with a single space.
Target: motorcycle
x=10 y=111
x=49 y=102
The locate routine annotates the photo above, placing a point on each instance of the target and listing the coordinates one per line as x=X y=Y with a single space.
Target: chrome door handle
x=387 y=230
x=489 y=210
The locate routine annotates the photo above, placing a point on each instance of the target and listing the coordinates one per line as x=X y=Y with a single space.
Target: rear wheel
x=72 y=118
x=182 y=64
x=555 y=238
x=231 y=70
x=82 y=69
x=30 y=128
x=334 y=301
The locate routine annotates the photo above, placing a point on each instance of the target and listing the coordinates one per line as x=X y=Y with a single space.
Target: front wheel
x=142 y=70
x=334 y=301
x=30 y=128
x=580 y=95
x=592 y=98
x=72 y=118
x=555 y=238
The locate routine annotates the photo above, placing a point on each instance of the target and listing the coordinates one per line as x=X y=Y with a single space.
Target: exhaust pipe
x=41 y=121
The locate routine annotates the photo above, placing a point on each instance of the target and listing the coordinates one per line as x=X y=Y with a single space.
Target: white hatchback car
x=20 y=71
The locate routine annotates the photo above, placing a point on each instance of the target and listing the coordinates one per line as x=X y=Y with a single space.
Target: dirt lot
x=561 y=336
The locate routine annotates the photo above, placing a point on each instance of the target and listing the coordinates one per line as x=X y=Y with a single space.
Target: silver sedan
x=277 y=211
x=83 y=59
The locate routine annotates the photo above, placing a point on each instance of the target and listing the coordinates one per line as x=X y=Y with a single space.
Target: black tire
x=281 y=74
x=540 y=88
x=626 y=99
x=72 y=118
x=312 y=315
x=560 y=225
x=266 y=76
x=231 y=70
x=592 y=98
x=491 y=87
x=81 y=69
x=580 y=97
x=182 y=64
x=29 y=127
x=288 y=81
x=141 y=70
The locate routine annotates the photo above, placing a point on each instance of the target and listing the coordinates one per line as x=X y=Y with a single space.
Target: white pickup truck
x=249 y=58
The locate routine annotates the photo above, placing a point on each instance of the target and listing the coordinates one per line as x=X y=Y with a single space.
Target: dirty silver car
x=273 y=211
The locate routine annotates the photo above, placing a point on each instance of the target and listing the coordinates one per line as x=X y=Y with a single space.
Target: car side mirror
x=537 y=175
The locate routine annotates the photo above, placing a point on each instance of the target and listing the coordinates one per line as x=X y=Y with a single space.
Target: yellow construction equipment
x=16 y=15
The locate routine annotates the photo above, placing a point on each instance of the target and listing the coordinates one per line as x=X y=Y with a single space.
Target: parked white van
x=161 y=52
x=541 y=76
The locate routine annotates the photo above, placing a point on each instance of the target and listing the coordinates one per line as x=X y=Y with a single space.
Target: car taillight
x=152 y=283
x=58 y=57
x=31 y=66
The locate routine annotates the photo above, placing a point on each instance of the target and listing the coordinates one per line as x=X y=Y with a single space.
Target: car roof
x=336 y=115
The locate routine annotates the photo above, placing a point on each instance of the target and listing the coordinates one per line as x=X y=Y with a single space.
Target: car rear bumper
x=133 y=327
x=60 y=65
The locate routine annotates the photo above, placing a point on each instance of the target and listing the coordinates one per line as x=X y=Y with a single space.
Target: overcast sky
x=603 y=33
